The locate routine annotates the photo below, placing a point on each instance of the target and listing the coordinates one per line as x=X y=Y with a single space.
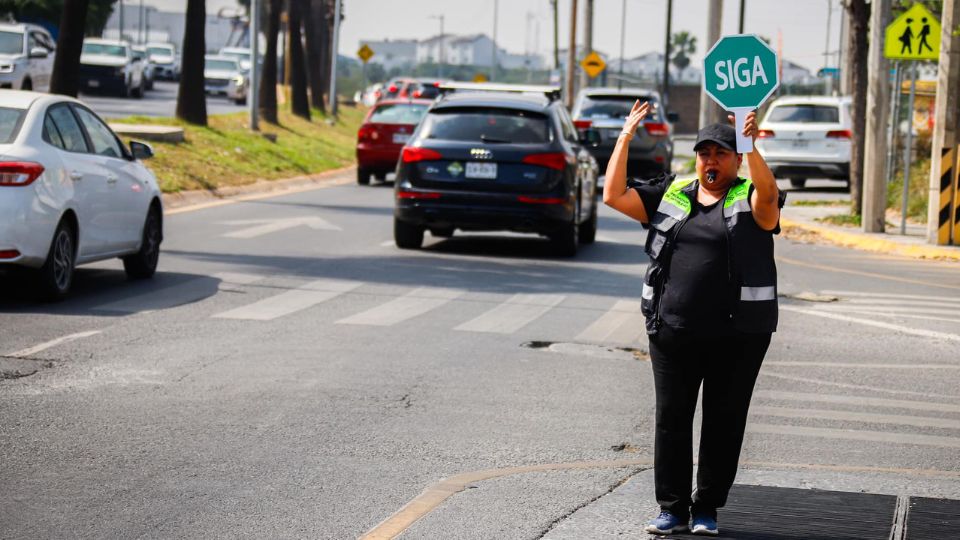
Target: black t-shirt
x=696 y=294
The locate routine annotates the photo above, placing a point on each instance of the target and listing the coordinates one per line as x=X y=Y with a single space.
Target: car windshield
x=808 y=114
x=221 y=65
x=10 y=122
x=104 y=48
x=237 y=55
x=487 y=125
x=599 y=107
x=398 y=114
x=11 y=43
x=160 y=51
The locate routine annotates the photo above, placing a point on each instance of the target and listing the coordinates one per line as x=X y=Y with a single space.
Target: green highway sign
x=740 y=72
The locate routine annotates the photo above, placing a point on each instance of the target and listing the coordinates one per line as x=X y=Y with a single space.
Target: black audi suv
x=497 y=157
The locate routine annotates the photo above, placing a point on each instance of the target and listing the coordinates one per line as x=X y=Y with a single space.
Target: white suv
x=807 y=137
x=26 y=57
x=107 y=64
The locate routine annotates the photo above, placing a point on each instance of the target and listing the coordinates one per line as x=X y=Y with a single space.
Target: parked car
x=399 y=88
x=164 y=57
x=72 y=193
x=26 y=57
x=107 y=64
x=242 y=54
x=805 y=137
x=371 y=94
x=605 y=109
x=425 y=89
x=222 y=76
x=497 y=157
x=386 y=128
x=149 y=68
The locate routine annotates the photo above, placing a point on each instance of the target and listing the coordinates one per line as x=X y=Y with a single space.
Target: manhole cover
x=586 y=349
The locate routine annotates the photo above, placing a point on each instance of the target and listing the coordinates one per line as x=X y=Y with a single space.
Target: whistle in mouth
x=711 y=177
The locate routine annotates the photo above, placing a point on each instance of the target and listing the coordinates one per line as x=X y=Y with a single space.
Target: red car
x=386 y=128
x=399 y=88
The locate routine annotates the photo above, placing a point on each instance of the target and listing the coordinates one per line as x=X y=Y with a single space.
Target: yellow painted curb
x=879 y=245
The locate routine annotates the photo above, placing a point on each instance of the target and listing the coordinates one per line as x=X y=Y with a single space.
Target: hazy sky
x=802 y=23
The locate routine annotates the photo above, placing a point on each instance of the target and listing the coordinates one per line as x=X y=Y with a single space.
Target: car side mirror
x=673 y=117
x=141 y=150
x=589 y=137
x=39 y=52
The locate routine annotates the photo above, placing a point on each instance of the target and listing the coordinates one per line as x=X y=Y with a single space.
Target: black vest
x=752 y=273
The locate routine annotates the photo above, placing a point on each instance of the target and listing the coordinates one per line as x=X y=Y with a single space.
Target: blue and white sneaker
x=704 y=525
x=666 y=523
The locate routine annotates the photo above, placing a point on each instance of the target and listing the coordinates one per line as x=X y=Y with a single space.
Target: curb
x=867 y=242
x=184 y=201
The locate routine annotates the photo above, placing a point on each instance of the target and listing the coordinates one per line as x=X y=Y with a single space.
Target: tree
x=858 y=12
x=66 y=64
x=313 y=32
x=92 y=24
x=268 y=79
x=191 y=98
x=298 y=69
x=683 y=46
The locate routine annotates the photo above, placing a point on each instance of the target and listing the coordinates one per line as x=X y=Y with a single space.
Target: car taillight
x=19 y=173
x=413 y=154
x=392 y=88
x=541 y=200
x=553 y=160
x=656 y=129
x=437 y=84
x=404 y=194
x=583 y=124
x=765 y=134
x=417 y=94
x=9 y=254
x=840 y=134
x=363 y=133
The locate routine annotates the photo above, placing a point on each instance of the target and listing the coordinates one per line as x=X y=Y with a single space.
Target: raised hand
x=637 y=114
x=750 y=128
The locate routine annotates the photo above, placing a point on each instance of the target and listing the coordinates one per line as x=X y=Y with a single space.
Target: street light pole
x=493 y=69
x=571 y=54
x=623 y=32
x=826 y=49
x=253 y=91
x=665 y=88
x=335 y=46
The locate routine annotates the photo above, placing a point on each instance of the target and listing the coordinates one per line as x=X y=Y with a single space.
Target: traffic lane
x=159 y=102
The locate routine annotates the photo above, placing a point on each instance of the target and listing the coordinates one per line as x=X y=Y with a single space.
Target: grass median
x=227 y=153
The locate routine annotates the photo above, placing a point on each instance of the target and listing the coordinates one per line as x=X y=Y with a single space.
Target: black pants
x=727 y=366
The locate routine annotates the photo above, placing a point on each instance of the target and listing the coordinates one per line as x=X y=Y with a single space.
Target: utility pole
x=571 y=54
x=743 y=9
x=665 y=88
x=121 y=21
x=623 y=33
x=253 y=99
x=493 y=68
x=587 y=40
x=826 y=49
x=710 y=111
x=556 y=35
x=875 y=146
x=946 y=136
x=334 y=47
x=846 y=73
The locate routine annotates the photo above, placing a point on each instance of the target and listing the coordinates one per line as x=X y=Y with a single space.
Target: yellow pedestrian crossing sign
x=914 y=35
x=365 y=53
x=593 y=64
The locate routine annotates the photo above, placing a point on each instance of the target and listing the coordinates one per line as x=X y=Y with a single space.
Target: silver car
x=223 y=76
x=605 y=109
x=26 y=57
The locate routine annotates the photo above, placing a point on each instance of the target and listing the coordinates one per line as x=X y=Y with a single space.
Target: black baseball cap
x=723 y=135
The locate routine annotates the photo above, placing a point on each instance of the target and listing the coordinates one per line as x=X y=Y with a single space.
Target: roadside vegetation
x=227 y=153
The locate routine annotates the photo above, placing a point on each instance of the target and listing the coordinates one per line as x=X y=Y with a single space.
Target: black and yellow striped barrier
x=947 y=221
x=956 y=197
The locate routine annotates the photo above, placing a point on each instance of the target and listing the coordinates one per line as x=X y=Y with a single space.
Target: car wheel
x=125 y=89
x=565 y=240
x=588 y=229
x=363 y=176
x=241 y=101
x=407 y=235
x=798 y=182
x=143 y=263
x=56 y=274
x=27 y=85
x=442 y=233
x=381 y=176
x=139 y=91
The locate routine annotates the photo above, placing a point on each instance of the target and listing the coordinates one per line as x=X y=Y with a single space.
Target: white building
x=471 y=50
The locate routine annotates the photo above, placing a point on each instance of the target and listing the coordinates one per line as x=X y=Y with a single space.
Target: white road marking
x=238 y=279
x=870 y=418
x=855 y=435
x=896 y=315
x=408 y=306
x=290 y=301
x=893 y=295
x=266 y=226
x=623 y=319
x=513 y=314
x=878 y=324
x=52 y=343
x=892 y=310
x=897 y=302
x=608 y=239
x=388 y=243
x=858 y=400
x=855 y=365
x=768 y=373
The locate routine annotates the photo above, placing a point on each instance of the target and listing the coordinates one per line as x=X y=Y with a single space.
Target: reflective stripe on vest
x=675 y=203
x=738 y=199
x=758 y=294
x=647 y=293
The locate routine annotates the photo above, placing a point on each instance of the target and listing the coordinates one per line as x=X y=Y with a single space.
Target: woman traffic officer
x=710 y=301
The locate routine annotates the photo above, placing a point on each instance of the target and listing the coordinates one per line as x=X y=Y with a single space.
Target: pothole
x=586 y=349
x=807 y=296
x=625 y=447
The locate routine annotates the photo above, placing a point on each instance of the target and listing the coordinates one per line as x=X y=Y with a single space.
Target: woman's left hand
x=749 y=125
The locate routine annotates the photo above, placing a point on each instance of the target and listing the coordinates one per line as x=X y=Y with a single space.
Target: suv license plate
x=401 y=138
x=800 y=143
x=481 y=170
x=93 y=83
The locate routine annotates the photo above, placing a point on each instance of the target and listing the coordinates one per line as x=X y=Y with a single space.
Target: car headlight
x=238 y=80
x=7 y=68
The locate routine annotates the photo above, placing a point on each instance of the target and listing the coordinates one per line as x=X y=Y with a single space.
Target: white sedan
x=72 y=193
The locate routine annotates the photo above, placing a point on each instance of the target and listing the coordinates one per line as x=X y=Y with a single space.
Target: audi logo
x=480 y=153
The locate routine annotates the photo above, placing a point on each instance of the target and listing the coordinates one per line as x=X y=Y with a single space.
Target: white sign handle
x=744 y=143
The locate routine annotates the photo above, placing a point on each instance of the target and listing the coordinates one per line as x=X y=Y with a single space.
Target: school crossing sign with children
x=914 y=35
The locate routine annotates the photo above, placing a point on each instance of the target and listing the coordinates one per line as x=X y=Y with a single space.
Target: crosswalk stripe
x=623 y=320
x=894 y=310
x=851 y=416
x=408 y=306
x=897 y=302
x=871 y=322
x=855 y=365
x=513 y=314
x=905 y=316
x=893 y=295
x=170 y=295
x=856 y=435
x=236 y=278
x=290 y=301
x=858 y=400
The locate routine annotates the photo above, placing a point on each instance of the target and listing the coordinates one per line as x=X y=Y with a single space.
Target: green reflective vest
x=751 y=270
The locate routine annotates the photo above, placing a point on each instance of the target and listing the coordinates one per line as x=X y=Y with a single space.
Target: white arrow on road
x=266 y=226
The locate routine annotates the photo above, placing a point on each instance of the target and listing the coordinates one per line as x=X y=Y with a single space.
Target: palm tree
x=683 y=46
x=313 y=32
x=298 y=68
x=66 y=65
x=268 y=80
x=191 y=98
x=858 y=12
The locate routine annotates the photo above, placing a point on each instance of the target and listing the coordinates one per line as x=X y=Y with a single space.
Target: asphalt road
x=161 y=101
x=289 y=373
